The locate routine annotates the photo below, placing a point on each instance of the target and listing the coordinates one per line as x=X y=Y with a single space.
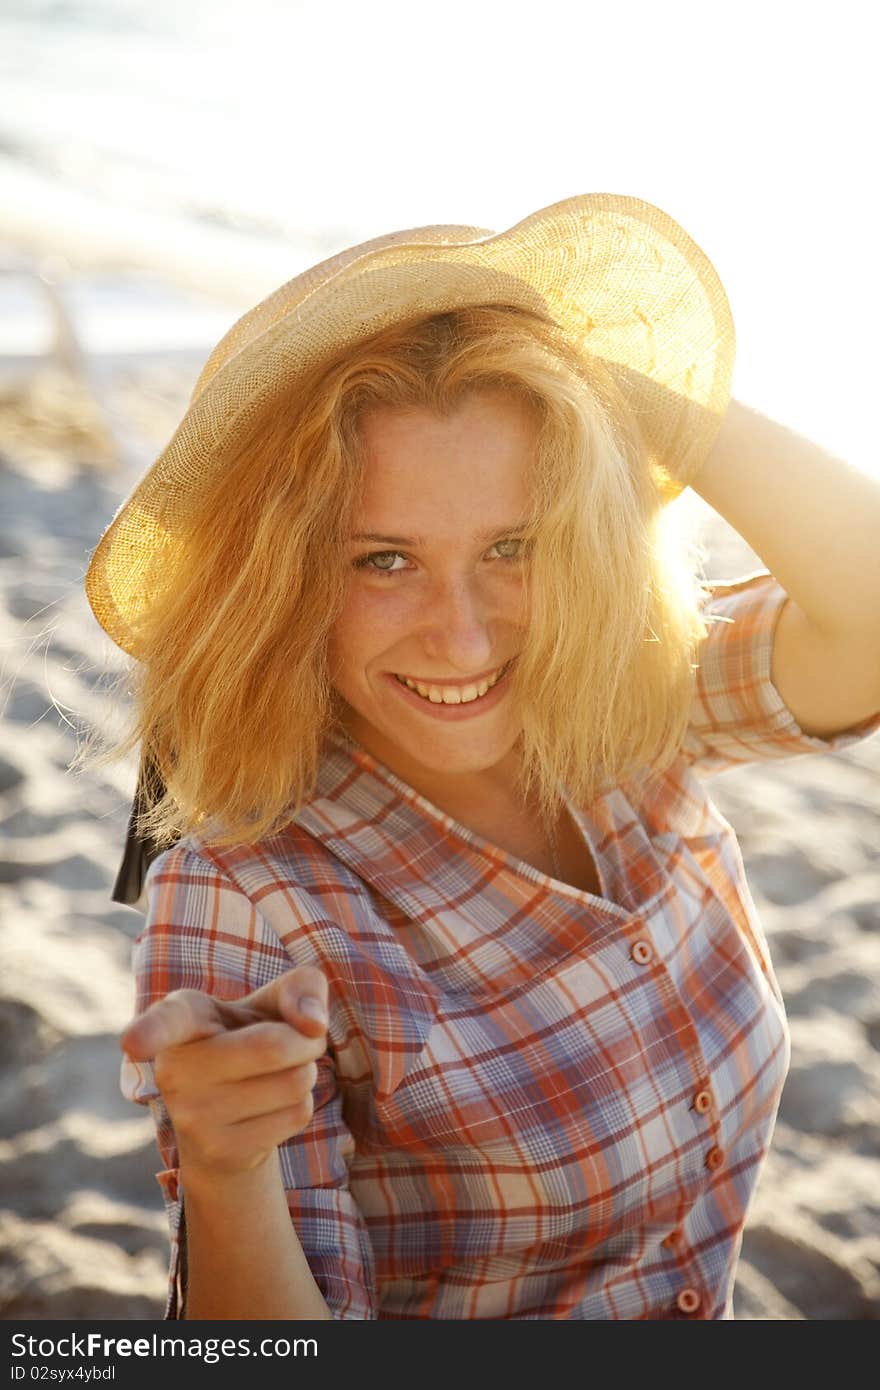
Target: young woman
x=452 y=1000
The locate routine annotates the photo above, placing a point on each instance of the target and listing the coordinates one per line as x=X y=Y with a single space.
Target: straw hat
x=619 y=276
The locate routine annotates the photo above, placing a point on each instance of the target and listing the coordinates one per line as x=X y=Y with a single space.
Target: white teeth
x=450 y=695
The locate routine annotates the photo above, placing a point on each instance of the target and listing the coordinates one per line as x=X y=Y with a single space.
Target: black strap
x=139 y=853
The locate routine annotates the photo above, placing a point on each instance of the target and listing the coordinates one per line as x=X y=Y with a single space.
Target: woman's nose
x=456 y=629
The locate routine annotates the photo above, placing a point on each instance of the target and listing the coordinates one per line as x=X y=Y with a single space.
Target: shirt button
x=714 y=1158
x=703 y=1102
x=642 y=952
x=672 y=1241
x=688 y=1300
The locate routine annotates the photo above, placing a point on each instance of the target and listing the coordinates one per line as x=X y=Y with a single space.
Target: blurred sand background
x=107 y=310
x=82 y=1231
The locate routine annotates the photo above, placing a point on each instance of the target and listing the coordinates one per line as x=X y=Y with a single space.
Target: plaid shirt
x=536 y=1102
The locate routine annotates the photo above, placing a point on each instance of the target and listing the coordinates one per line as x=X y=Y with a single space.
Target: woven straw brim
x=621 y=278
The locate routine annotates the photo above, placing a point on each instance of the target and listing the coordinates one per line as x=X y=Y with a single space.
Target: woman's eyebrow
x=497 y=533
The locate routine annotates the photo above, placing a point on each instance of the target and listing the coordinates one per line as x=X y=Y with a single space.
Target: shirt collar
x=393 y=838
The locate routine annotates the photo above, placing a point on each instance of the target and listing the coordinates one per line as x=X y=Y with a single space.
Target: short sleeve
x=738 y=715
x=203 y=932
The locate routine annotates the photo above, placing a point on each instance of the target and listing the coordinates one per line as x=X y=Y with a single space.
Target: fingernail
x=313 y=1008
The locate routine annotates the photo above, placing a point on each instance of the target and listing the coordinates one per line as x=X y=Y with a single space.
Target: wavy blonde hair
x=232 y=698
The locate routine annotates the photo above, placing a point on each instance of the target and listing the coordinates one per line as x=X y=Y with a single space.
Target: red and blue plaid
x=536 y=1102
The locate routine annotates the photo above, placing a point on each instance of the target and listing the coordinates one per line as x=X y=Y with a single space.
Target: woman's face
x=436 y=596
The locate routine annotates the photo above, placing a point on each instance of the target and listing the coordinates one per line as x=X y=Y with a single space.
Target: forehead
x=418 y=463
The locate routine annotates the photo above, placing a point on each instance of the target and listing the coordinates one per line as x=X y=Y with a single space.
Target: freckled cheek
x=510 y=600
x=518 y=604
x=370 y=626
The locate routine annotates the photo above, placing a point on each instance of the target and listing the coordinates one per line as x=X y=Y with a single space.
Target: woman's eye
x=392 y=562
x=508 y=550
x=381 y=561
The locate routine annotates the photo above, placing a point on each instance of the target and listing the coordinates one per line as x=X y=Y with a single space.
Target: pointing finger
x=181 y=1017
x=298 y=998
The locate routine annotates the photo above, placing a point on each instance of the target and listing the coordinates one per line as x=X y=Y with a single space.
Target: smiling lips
x=454 y=694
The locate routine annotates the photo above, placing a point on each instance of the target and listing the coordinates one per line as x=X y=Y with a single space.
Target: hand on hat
x=236 y=1078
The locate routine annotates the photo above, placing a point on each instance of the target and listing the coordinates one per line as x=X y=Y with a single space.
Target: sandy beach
x=82 y=1228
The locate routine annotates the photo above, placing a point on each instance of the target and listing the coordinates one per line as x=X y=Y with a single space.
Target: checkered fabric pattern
x=536 y=1102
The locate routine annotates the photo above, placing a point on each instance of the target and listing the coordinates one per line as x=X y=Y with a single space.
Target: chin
x=450 y=764
x=447 y=754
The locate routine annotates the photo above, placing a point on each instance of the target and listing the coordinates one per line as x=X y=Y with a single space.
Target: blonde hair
x=232 y=699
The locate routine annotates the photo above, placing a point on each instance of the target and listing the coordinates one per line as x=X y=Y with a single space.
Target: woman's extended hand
x=236 y=1078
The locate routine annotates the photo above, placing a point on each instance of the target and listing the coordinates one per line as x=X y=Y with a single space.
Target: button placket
x=703 y=1103
x=689 y=1299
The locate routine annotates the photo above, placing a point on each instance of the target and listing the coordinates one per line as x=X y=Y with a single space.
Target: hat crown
x=292 y=293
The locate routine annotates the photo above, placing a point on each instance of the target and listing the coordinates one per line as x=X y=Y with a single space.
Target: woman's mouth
x=454 y=700
x=454 y=694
